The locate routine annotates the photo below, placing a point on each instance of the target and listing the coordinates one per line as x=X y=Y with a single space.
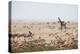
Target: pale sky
x=35 y=11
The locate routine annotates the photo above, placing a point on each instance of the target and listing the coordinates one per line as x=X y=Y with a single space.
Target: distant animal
x=62 y=23
x=30 y=34
x=22 y=35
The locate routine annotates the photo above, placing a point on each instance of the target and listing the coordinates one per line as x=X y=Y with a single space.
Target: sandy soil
x=50 y=32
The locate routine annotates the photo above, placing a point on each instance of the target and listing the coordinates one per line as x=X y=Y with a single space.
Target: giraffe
x=62 y=23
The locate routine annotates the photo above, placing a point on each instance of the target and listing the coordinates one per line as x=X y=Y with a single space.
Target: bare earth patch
x=28 y=37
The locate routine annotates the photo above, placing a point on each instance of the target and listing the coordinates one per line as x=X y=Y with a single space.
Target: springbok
x=23 y=36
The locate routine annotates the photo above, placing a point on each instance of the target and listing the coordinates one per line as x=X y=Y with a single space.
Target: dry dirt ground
x=44 y=36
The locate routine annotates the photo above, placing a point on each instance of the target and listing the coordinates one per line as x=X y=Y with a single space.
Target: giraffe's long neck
x=59 y=20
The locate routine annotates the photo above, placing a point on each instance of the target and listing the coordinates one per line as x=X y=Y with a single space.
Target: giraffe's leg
x=65 y=26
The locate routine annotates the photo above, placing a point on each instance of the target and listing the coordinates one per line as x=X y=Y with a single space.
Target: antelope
x=23 y=35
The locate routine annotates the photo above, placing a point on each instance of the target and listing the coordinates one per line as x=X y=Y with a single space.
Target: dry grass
x=45 y=36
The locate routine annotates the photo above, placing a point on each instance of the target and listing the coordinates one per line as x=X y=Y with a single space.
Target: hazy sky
x=32 y=11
